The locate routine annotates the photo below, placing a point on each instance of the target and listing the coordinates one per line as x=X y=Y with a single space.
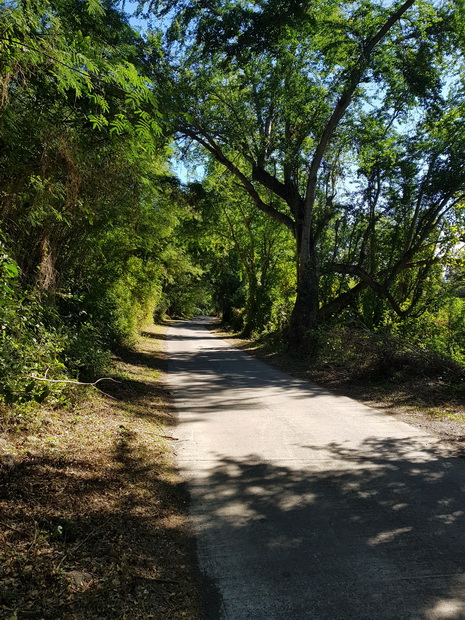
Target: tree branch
x=212 y=147
x=94 y=383
x=344 y=101
x=341 y=301
x=270 y=182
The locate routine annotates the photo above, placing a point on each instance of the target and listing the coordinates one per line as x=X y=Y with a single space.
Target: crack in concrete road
x=309 y=505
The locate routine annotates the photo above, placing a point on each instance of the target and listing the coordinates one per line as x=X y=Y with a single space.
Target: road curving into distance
x=309 y=505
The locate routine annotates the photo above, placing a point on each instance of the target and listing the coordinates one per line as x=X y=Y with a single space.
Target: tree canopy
x=340 y=122
x=330 y=140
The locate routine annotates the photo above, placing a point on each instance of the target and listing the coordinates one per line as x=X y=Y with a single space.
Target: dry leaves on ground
x=92 y=511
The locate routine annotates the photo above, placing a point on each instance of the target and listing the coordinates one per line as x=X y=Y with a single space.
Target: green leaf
x=95 y=8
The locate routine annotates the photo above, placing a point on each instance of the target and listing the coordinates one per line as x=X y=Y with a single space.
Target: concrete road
x=311 y=505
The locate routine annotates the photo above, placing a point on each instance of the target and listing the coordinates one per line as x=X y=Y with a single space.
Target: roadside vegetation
x=92 y=510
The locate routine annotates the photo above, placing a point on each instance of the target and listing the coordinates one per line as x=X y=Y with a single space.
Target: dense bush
x=29 y=345
x=396 y=351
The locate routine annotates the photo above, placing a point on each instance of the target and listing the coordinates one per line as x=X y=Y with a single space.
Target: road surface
x=308 y=505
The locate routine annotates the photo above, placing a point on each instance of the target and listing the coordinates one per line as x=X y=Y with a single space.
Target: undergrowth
x=361 y=354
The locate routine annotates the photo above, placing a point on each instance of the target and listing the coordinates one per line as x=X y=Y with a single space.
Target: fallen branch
x=92 y=384
x=13 y=529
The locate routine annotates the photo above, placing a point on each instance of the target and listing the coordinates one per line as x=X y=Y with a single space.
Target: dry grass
x=92 y=518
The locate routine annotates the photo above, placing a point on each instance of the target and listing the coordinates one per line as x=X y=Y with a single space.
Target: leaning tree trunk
x=251 y=306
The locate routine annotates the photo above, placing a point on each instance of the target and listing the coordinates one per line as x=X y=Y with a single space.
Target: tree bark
x=304 y=317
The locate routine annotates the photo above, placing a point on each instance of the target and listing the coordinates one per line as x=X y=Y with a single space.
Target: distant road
x=308 y=505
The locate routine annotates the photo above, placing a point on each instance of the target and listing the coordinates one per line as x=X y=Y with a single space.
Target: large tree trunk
x=251 y=306
x=304 y=318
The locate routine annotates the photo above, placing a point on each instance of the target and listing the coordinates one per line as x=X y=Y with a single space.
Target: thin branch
x=12 y=528
x=376 y=286
x=94 y=383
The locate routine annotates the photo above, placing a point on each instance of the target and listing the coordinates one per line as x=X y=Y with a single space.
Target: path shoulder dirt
x=92 y=510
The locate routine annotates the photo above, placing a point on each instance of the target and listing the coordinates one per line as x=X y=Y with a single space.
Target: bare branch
x=94 y=383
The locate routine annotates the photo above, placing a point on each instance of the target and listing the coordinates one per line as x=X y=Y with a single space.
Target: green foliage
x=186 y=293
x=338 y=122
x=392 y=353
x=36 y=342
x=328 y=141
x=252 y=255
x=88 y=210
x=86 y=51
x=135 y=297
x=441 y=329
x=85 y=352
x=28 y=347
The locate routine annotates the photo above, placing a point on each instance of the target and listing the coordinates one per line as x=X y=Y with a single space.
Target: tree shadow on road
x=376 y=532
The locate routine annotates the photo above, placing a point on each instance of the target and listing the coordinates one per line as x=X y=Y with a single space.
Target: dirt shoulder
x=429 y=403
x=93 y=520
